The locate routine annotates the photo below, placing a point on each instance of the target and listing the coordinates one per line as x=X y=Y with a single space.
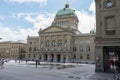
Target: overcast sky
x=20 y=18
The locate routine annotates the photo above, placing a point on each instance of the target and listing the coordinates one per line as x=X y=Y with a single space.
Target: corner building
x=62 y=41
x=107 y=41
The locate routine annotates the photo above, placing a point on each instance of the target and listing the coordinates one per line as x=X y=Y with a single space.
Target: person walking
x=2 y=63
x=36 y=63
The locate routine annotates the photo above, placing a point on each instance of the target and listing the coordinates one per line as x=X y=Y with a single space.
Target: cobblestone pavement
x=23 y=71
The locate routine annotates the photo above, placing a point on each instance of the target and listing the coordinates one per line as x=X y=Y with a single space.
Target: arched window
x=30 y=42
x=47 y=43
x=60 y=43
x=53 y=43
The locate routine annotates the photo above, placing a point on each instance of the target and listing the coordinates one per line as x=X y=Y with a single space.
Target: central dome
x=66 y=10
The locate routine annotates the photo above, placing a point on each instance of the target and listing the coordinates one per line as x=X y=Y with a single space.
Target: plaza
x=23 y=71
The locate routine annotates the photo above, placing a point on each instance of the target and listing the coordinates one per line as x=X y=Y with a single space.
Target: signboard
x=111 y=53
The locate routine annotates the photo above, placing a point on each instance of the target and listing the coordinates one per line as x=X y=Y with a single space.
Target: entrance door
x=45 y=57
x=58 y=57
x=109 y=51
x=51 y=57
x=106 y=59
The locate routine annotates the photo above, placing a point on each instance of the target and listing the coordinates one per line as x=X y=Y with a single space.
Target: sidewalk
x=101 y=76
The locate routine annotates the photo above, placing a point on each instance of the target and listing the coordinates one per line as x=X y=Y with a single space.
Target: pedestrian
x=26 y=61
x=19 y=60
x=15 y=60
x=2 y=63
x=117 y=64
x=36 y=63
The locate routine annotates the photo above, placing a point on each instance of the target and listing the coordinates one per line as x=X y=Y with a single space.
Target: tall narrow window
x=47 y=43
x=30 y=49
x=81 y=41
x=88 y=49
x=81 y=49
x=53 y=43
x=74 y=41
x=74 y=49
x=88 y=56
x=60 y=43
x=34 y=48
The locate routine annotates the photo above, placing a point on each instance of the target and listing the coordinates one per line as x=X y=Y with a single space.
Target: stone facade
x=62 y=41
x=12 y=50
x=107 y=39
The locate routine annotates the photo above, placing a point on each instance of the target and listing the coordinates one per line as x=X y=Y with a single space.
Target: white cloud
x=86 y=21
x=92 y=7
x=1 y=17
x=41 y=2
x=39 y=21
x=43 y=20
x=8 y=34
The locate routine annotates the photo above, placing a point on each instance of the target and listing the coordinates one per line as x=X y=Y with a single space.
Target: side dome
x=93 y=31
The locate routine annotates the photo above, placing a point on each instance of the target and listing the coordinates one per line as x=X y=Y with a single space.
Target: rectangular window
x=110 y=24
x=81 y=49
x=81 y=41
x=88 y=41
x=74 y=49
x=88 y=49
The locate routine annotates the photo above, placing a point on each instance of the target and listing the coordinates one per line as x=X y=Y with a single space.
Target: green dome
x=65 y=10
x=93 y=31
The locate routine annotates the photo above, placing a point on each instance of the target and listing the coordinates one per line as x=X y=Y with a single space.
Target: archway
x=58 y=57
x=45 y=57
x=52 y=57
x=108 y=53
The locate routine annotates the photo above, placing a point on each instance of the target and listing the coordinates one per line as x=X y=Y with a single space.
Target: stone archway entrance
x=108 y=53
x=52 y=57
x=45 y=57
x=58 y=57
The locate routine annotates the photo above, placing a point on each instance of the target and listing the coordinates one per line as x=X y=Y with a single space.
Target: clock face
x=109 y=3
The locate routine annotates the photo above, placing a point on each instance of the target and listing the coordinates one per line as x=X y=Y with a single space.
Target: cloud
x=41 y=2
x=2 y=18
x=86 y=21
x=43 y=20
x=39 y=21
x=8 y=34
x=92 y=7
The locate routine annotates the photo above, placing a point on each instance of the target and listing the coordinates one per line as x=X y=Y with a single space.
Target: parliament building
x=62 y=41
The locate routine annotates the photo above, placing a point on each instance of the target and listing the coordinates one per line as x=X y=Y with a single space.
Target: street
x=23 y=71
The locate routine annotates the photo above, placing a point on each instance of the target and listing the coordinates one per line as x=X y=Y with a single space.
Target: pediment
x=54 y=29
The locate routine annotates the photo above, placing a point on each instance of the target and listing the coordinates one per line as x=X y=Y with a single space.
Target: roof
x=93 y=31
x=66 y=11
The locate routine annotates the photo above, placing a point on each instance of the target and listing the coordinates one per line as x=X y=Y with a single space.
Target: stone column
x=99 y=59
x=42 y=58
x=61 y=57
x=48 y=59
x=55 y=58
